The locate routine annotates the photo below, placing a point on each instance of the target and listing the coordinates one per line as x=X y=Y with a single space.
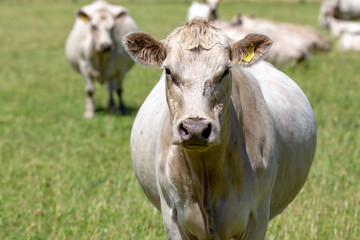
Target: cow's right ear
x=145 y=49
x=83 y=16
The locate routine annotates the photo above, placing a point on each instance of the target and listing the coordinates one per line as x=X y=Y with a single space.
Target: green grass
x=64 y=177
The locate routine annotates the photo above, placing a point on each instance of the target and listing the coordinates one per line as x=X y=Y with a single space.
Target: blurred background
x=66 y=177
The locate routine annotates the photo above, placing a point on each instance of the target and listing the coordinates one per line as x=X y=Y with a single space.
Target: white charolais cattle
x=198 y=10
x=340 y=9
x=338 y=27
x=349 y=42
x=207 y=10
x=94 y=49
x=221 y=145
x=292 y=42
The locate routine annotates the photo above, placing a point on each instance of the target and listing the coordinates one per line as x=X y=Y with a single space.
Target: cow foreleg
x=171 y=228
x=258 y=223
x=89 y=90
x=111 y=86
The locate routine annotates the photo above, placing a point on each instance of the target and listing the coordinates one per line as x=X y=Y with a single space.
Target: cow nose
x=105 y=47
x=195 y=131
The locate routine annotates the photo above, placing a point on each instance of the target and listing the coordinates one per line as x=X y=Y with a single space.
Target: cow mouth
x=196 y=147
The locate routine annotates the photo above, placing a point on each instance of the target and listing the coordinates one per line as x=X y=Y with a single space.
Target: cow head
x=197 y=59
x=102 y=23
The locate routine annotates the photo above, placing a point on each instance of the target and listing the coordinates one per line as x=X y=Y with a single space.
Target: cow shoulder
x=255 y=119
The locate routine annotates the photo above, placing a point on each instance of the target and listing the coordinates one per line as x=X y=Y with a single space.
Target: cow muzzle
x=104 y=47
x=195 y=133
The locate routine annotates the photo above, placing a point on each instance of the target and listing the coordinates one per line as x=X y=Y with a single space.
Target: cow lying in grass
x=292 y=42
x=221 y=145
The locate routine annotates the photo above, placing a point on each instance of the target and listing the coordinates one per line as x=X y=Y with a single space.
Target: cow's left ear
x=251 y=49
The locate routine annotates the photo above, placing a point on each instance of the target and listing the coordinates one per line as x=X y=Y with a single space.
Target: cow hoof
x=88 y=114
x=123 y=111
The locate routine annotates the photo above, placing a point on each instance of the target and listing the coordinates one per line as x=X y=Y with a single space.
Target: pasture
x=65 y=177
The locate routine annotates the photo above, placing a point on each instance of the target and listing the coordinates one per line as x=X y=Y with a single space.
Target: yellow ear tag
x=84 y=18
x=250 y=54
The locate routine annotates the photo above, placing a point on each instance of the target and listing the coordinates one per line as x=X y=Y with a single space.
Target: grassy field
x=64 y=177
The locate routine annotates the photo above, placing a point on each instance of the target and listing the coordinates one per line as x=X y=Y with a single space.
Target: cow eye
x=225 y=73
x=167 y=71
x=170 y=75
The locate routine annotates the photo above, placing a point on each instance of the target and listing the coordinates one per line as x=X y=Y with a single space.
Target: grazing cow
x=220 y=146
x=349 y=42
x=340 y=9
x=95 y=50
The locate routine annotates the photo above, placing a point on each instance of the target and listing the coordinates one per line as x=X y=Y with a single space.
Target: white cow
x=340 y=9
x=197 y=9
x=338 y=27
x=207 y=10
x=95 y=50
x=349 y=42
x=220 y=146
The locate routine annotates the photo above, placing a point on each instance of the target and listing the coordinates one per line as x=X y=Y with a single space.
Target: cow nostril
x=183 y=130
x=207 y=131
x=105 y=47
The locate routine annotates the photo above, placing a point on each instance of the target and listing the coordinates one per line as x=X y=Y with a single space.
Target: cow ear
x=83 y=16
x=251 y=49
x=121 y=14
x=145 y=49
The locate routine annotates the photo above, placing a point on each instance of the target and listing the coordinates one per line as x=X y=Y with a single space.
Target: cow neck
x=99 y=62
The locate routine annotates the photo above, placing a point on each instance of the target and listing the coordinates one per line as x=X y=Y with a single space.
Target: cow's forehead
x=201 y=63
x=102 y=17
x=197 y=46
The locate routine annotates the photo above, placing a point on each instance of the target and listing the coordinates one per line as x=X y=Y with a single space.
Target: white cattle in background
x=337 y=27
x=349 y=42
x=198 y=10
x=206 y=10
x=340 y=9
x=292 y=42
x=94 y=49
x=286 y=49
x=221 y=145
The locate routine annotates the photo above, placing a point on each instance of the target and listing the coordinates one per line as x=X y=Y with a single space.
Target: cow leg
x=90 y=103
x=258 y=223
x=119 y=90
x=171 y=228
x=122 y=107
x=111 y=86
x=89 y=90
